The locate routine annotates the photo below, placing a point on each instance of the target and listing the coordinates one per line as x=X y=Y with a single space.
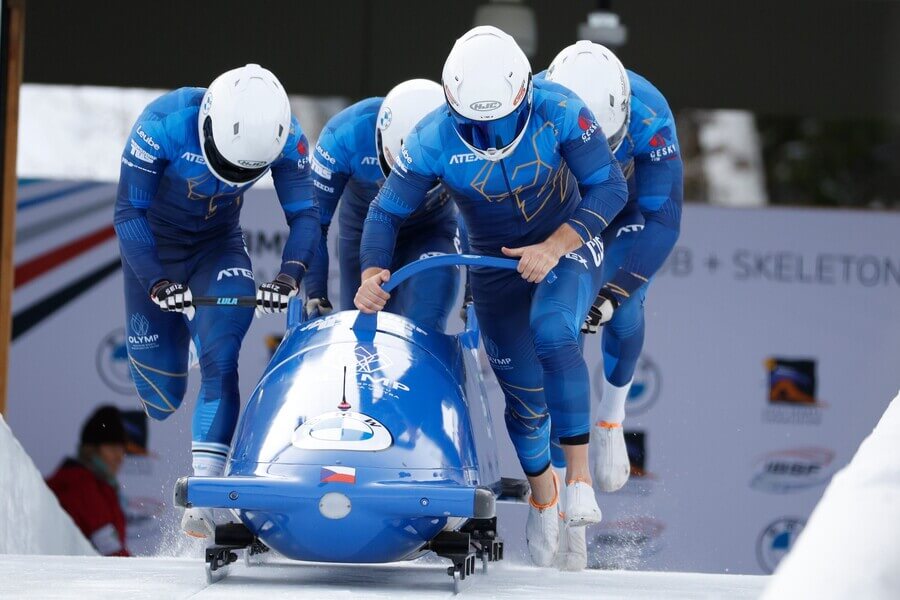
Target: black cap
x=104 y=427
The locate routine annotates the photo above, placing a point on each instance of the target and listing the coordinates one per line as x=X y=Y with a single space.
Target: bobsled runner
x=368 y=439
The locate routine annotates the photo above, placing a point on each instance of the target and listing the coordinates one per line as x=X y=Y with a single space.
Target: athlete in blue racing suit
x=638 y=241
x=177 y=222
x=526 y=205
x=345 y=169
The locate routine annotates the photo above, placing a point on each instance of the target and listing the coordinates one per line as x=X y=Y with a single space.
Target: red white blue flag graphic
x=338 y=475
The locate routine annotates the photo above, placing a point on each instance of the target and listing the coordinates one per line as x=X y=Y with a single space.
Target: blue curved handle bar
x=446 y=260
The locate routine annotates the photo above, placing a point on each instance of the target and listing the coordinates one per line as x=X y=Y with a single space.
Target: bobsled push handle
x=445 y=260
x=236 y=301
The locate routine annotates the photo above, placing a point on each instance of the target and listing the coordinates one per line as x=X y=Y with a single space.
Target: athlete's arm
x=586 y=152
x=659 y=181
x=291 y=174
x=400 y=196
x=143 y=162
x=330 y=173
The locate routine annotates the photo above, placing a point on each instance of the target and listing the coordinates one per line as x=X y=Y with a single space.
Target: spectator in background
x=86 y=486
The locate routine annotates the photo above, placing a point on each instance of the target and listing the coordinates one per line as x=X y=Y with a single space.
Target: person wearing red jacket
x=86 y=486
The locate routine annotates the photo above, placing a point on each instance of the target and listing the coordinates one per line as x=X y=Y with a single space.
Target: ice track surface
x=49 y=577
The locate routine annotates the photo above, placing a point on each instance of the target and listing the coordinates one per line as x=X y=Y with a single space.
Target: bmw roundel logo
x=342 y=430
x=385 y=118
x=776 y=540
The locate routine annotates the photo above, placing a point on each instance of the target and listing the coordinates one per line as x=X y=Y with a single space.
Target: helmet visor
x=220 y=165
x=497 y=134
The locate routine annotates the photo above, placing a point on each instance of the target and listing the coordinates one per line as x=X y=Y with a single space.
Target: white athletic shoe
x=572 y=553
x=198 y=523
x=611 y=464
x=542 y=529
x=581 y=505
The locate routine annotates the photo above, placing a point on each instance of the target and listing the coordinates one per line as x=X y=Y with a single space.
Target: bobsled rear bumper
x=391 y=499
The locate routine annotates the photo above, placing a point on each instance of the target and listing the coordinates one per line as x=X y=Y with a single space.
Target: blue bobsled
x=367 y=439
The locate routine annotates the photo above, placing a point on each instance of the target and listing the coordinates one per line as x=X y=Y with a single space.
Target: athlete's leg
x=557 y=312
x=348 y=257
x=623 y=336
x=502 y=303
x=622 y=341
x=428 y=298
x=223 y=269
x=158 y=344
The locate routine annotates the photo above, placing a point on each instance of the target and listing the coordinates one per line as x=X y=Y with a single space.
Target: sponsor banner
x=770 y=350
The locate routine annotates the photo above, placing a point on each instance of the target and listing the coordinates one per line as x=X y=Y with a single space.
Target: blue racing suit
x=176 y=221
x=345 y=169
x=642 y=236
x=531 y=331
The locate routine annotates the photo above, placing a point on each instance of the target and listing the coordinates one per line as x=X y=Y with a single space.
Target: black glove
x=601 y=312
x=318 y=307
x=173 y=297
x=273 y=297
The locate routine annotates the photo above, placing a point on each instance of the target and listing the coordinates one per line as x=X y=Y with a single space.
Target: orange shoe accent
x=552 y=502
x=578 y=480
x=608 y=425
x=194 y=534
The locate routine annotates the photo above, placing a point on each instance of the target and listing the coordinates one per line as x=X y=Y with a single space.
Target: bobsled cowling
x=365 y=437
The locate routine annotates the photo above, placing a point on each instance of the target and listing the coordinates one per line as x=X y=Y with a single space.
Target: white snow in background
x=155 y=578
x=732 y=158
x=78 y=132
x=31 y=519
x=850 y=547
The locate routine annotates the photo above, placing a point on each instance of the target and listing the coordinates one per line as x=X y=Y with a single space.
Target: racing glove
x=318 y=307
x=601 y=311
x=173 y=297
x=272 y=297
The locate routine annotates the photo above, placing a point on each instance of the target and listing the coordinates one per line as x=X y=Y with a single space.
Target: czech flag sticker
x=337 y=475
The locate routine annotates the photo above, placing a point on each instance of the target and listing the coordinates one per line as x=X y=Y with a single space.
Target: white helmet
x=244 y=121
x=595 y=74
x=401 y=110
x=487 y=83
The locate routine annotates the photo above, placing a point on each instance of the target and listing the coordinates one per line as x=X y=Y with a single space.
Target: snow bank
x=31 y=519
x=850 y=547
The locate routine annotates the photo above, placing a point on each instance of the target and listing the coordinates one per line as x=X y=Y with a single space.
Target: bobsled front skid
x=477 y=539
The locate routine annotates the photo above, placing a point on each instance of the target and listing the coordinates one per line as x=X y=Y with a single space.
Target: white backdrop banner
x=772 y=344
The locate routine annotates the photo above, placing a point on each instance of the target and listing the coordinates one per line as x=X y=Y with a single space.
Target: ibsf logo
x=486 y=105
x=141 y=338
x=776 y=540
x=645 y=386
x=792 y=470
